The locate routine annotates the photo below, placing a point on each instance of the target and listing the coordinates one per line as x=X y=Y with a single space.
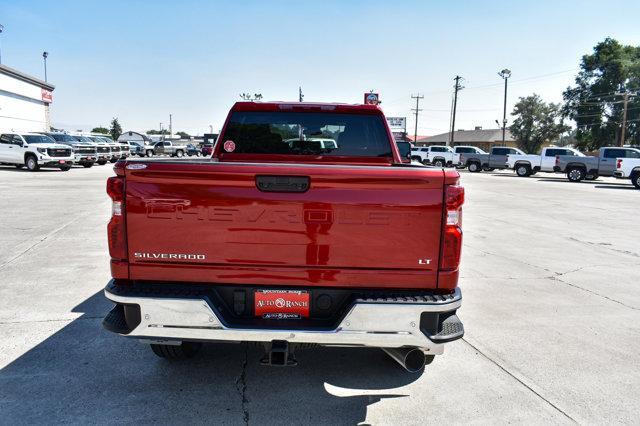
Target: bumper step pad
x=452 y=329
x=115 y=320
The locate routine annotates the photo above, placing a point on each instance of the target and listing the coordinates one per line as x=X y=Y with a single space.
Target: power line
x=417 y=110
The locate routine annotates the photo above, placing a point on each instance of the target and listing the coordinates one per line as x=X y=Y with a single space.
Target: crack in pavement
x=241 y=386
x=605 y=246
x=555 y=277
x=561 y=411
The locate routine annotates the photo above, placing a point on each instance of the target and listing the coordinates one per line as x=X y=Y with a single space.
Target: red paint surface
x=362 y=223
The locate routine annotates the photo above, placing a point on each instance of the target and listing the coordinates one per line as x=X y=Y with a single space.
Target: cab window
x=614 y=153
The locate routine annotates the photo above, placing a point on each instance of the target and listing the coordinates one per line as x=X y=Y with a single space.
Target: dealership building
x=24 y=102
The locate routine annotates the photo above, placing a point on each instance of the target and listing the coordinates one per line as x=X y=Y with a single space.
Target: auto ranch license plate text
x=281 y=304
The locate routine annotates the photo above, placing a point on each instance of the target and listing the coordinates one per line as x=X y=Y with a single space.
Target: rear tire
x=575 y=174
x=635 y=179
x=523 y=170
x=179 y=154
x=87 y=165
x=474 y=167
x=149 y=153
x=438 y=163
x=32 y=163
x=185 y=350
x=102 y=162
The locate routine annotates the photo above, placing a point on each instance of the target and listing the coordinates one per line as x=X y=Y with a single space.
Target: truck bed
x=354 y=226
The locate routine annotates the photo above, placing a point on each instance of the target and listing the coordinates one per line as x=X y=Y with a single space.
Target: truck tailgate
x=364 y=226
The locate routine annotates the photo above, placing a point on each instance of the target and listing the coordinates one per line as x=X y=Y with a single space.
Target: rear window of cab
x=304 y=133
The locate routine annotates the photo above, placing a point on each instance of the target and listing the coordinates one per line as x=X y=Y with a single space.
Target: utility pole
x=505 y=74
x=624 y=115
x=300 y=95
x=170 y=125
x=456 y=88
x=417 y=110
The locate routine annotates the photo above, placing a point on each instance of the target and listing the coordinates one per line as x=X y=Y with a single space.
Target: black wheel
x=65 y=168
x=113 y=160
x=438 y=163
x=87 y=165
x=177 y=352
x=102 y=162
x=523 y=170
x=575 y=174
x=32 y=163
x=179 y=153
x=635 y=179
x=474 y=167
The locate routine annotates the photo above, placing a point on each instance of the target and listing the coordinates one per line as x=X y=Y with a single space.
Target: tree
x=157 y=132
x=536 y=123
x=102 y=130
x=183 y=135
x=116 y=129
x=596 y=101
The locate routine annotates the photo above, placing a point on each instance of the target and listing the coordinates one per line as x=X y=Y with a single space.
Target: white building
x=24 y=102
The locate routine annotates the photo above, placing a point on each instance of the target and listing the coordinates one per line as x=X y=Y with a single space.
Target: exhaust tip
x=411 y=359
x=414 y=360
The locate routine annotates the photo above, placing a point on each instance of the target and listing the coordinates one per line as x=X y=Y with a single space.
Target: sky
x=141 y=61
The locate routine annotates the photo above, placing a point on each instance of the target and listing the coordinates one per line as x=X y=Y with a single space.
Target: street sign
x=397 y=122
x=371 y=98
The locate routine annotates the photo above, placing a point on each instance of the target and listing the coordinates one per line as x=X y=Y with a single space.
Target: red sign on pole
x=47 y=96
x=371 y=98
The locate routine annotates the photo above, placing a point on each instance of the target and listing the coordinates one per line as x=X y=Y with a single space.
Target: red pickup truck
x=307 y=226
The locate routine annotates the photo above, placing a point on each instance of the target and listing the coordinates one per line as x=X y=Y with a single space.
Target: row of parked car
x=35 y=150
x=620 y=162
x=171 y=149
x=59 y=150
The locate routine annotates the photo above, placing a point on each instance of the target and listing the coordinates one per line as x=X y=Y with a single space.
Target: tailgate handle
x=269 y=183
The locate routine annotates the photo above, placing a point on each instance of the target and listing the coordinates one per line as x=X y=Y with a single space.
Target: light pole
x=1 y=29
x=44 y=57
x=505 y=74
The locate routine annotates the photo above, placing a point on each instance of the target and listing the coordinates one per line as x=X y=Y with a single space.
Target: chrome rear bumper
x=374 y=323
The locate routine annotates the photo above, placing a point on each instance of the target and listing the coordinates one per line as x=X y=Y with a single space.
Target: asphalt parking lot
x=551 y=307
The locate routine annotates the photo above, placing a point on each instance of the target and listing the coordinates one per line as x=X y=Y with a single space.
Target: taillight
x=619 y=163
x=452 y=228
x=116 y=228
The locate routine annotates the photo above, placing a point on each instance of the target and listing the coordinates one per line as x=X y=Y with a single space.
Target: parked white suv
x=419 y=154
x=34 y=151
x=441 y=156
